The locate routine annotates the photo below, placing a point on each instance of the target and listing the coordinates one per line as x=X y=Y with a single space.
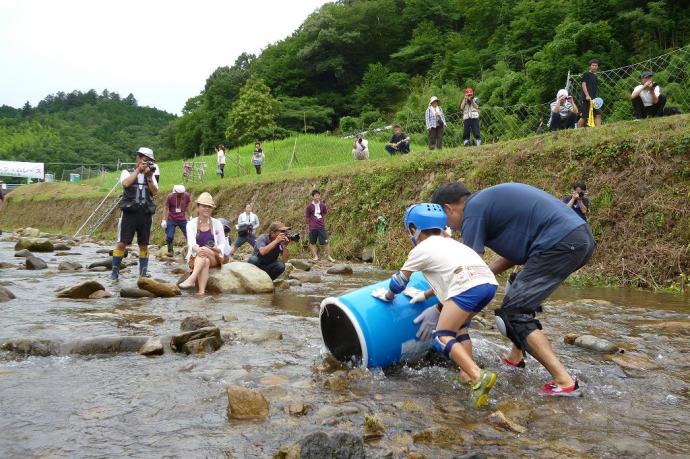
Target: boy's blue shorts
x=476 y=298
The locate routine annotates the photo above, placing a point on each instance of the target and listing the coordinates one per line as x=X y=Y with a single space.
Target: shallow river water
x=175 y=405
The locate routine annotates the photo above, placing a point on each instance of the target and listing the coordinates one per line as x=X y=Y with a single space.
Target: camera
x=292 y=237
x=151 y=165
x=581 y=194
x=210 y=244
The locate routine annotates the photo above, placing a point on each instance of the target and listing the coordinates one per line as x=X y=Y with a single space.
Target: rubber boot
x=143 y=266
x=170 y=248
x=117 y=262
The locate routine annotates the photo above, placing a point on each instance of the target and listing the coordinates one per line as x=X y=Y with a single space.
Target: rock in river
x=159 y=289
x=177 y=342
x=80 y=291
x=239 y=277
x=320 y=445
x=69 y=266
x=22 y=253
x=108 y=263
x=34 y=244
x=500 y=420
x=595 y=344
x=5 y=294
x=340 y=269
x=308 y=278
x=152 y=346
x=304 y=265
x=634 y=361
x=33 y=262
x=192 y=323
x=135 y=293
x=246 y=403
x=100 y=294
x=61 y=246
x=202 y=345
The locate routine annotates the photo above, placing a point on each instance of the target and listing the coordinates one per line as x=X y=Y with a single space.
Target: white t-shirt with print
x=141 y=178
x=449 y=266
x=646 y=96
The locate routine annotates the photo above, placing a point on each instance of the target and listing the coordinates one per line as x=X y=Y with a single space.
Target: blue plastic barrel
x=358 y=327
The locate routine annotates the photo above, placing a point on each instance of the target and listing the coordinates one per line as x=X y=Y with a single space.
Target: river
x=127 y=405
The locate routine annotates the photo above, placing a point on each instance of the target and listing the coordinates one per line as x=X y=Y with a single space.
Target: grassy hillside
x=638 y=174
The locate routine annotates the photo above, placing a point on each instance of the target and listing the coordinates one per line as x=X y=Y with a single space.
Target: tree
x=27 y=110
x=131 y=100
x=380 y=88
x=252 y=115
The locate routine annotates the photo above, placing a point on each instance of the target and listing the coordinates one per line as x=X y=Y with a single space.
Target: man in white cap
x=564 y=111
x=175 y=215
x=138 y=188
x=435 y=123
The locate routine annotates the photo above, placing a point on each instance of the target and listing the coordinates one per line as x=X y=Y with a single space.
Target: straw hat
x=205 y=199
x=433 y=99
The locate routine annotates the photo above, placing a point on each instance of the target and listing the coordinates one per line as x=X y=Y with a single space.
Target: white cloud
x=161 y=51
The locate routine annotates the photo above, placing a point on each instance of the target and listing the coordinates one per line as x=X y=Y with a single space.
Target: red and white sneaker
x=551 y=388
x=507 y=361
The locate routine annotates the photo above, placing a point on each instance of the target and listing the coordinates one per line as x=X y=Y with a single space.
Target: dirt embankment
x=638 y=177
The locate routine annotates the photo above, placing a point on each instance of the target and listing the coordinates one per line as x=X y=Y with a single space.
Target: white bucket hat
x=561 y=93
x=433 y=99
x=146 y=152
x=178 y=189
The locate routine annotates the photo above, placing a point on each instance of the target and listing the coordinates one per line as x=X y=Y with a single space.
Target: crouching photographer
x=272 y=246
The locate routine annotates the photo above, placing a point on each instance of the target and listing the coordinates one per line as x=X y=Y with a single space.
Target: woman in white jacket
x=206 y=242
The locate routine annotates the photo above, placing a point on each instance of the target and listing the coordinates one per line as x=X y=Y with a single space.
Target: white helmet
x=146 y=152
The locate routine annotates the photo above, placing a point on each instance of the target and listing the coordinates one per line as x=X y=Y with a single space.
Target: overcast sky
x=161 y=51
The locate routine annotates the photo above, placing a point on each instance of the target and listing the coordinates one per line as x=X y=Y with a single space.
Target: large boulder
x=69 y=266
x=33 y=262
x=80 y=291
x=246 y=403
x=159 y=289
x=239 y=277
x=135 y=293
x=34 y=244
x=6 y=294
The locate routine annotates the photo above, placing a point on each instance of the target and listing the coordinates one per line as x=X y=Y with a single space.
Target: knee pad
x=440 y=346
x=516 y=326
x=398 y=282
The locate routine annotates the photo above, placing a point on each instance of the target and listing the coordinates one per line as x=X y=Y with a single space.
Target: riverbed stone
x=178 y=341
x=297 y=409
x=282 y=284
x=304 y=265
x=294 y=283
x=192 y=323
x=634 y=361
x=135 y=293
x=33 y=262
x=5 y=265
x=104 y=345
x=256 y=336
x=6 y=294
x=28 y=232
x=159 y=289
x=34 y=244
x=289 y=267
x=340 y=269
x=107 y=263
x=244 y=403
x=23 y=253
x=440 y=436
x=306 y=278
x=69 y=266
x=230 y=318
x=498 y=419
x=81 y=290
x=202 y=345
x=595 y=344
x=319 y=445
x=152 y=346
x=61 y=246
x=99 y=269
x=239 y=277
x=100 y=294
x=671 y=326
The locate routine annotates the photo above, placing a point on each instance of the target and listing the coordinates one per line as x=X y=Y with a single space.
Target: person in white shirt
x=220 y=150
x=360 y=149
x=564 y=111
x=647 y=100
x=247 y=224
x=461 y=281
x=435 y=121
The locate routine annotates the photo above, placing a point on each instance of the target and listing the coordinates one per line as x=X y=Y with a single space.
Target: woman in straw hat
x=206 y=241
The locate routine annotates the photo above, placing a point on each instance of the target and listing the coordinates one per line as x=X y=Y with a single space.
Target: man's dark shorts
x=543 y=273
x=135 y=222
x=319 y=234
x=584 y=113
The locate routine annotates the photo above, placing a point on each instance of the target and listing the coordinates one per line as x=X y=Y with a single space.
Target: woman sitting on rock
x=206 y=241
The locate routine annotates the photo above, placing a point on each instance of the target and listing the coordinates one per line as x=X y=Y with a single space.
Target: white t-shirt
x=449 y=266
x=646 y=96
x=141 y=178
x=244 y=219
x=226 y=249
x=221 y=157
x=361 y=147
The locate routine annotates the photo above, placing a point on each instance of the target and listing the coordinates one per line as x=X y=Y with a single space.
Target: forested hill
x=80 y=127
x=373 y=59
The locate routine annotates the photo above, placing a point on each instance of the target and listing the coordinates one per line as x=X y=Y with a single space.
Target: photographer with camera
x=206 y=244
x=564 y=112
x=247 y=224
x=315 y=213
x=269 y=247
x=577 y=200
x=470 y=118
x=360 y=149
x=138 y=188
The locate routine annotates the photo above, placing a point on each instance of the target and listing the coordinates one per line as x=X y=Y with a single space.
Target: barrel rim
x=355 y=323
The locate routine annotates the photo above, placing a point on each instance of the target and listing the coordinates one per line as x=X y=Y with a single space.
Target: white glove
x=164 y=224
x=427 y=321
x=418 y=297
x=380 y=293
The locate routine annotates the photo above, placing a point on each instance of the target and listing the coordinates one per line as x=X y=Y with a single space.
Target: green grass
x=310 y=151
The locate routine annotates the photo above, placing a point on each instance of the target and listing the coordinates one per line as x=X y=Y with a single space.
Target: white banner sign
x=21 y=169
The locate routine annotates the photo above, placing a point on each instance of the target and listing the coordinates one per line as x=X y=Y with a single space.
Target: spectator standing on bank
x=647 y=100
x=563 y=111
x=258 y=157
x=399 y=143
x=435 y=123
x=315 y=213
x=247 y=225
x=175 y=214
x=577 y=200
x=589 y=90
x=360 y=149
x=470 y=118
x=220 y=158
x=138 y=188
x=2 y=197
x=269 y=248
